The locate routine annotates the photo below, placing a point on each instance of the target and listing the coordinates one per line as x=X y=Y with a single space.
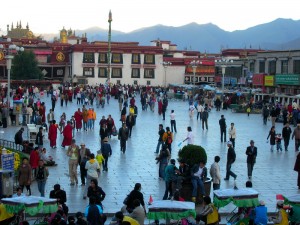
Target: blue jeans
x=159 y=143
x=41 y=187
x=89 y=124
x=85 y=125
x=197 y=182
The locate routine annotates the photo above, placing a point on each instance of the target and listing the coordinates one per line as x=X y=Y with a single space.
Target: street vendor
x=282 y=216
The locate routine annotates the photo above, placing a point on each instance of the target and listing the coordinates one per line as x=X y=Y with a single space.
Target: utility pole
x=109 y=48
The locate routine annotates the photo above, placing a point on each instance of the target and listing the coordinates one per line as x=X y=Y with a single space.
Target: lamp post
x=194 y=65
x=165 y=65
x=224 y=63
x=9 y=55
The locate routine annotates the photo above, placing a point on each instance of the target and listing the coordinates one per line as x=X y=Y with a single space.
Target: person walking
x=231 y=156
x=93 y=171
x=251 y=153
x=41 y=177
x=286 y=135
x=161 y=132
x=78 y=119
x=189 y=137
x=130 y=122
x=106 y=152
x=296 y=134
x=168 y=139
x=170 y=177
x=24 y=175
x=232 y=134
x=173 y=121
x=163 y=159
x=205 y=118
x=222 y=123
x=123 y=137
x=39 y=138
x=272 y=135
x=67 y=133
x=200 y=110
x=84 y=156
x=215 y=173
x=73 y=154
x=52 y=135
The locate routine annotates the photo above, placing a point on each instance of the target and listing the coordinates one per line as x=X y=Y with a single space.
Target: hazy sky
x=128 y=15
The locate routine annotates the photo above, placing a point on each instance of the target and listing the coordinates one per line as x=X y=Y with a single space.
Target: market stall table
x=30 y=204
x=244 y=197
x=168 y=209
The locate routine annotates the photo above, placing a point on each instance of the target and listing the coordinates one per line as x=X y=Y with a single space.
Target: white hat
x=229 y=142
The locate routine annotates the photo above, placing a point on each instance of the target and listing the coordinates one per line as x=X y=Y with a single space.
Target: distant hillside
x=279 y=34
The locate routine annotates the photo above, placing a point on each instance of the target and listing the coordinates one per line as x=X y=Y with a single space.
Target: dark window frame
x=138 y=60
x=147 y=60
x=89 y=69
x=262 y=66
x=116 y=69
x=139 y=73
x=113 y=55
x=105 y=57
x=147 y=76
x=105 y=73
x=88 y=57
x=296 y=66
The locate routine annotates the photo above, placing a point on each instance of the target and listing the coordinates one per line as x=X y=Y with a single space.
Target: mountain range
x=280 y=34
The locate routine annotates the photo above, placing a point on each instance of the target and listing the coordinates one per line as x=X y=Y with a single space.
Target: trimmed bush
x=192 y=154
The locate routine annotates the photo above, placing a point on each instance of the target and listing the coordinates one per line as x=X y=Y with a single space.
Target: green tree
x=25 y=67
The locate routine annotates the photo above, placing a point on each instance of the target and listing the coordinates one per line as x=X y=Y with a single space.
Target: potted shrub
x=191 y=155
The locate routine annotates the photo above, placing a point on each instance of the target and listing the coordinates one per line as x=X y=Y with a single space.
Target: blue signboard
x=7 y=161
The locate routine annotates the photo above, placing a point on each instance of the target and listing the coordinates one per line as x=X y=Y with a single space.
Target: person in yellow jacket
x=209 y=213
x=282 y=216
x=100 y=159
x=121 y=218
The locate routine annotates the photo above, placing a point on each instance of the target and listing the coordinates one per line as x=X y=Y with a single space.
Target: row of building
x=75 y=59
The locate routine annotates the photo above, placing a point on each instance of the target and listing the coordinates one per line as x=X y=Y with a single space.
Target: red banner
x=258 y=79
x=200 y=69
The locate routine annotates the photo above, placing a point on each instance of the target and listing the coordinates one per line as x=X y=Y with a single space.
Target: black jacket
x=195 y=169
x=98 y=194
x=222 y=123
x=251 y=154
x=231 y=155
x=18 y=137
x=286 y=132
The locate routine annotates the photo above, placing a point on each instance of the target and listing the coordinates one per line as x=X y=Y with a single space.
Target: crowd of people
x=91 y=165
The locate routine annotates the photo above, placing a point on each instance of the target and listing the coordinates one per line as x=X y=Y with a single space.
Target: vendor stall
x=244 y=197
x=30 y=204
x=168 y=209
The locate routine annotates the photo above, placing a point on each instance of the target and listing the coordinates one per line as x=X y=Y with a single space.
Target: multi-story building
x=276 y=71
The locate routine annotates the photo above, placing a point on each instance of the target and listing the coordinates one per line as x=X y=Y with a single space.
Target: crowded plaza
x=115 y=152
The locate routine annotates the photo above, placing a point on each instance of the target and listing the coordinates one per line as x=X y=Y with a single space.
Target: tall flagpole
x=109 y=47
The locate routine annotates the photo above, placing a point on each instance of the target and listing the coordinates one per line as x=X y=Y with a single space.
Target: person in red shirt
x=78 y=119
x=34 y=159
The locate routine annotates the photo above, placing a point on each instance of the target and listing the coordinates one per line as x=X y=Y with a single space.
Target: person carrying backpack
x=168 y=138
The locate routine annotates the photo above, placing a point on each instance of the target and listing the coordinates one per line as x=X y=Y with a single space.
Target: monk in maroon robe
x=52 y=135
x=67 y=133
x=78 y=119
